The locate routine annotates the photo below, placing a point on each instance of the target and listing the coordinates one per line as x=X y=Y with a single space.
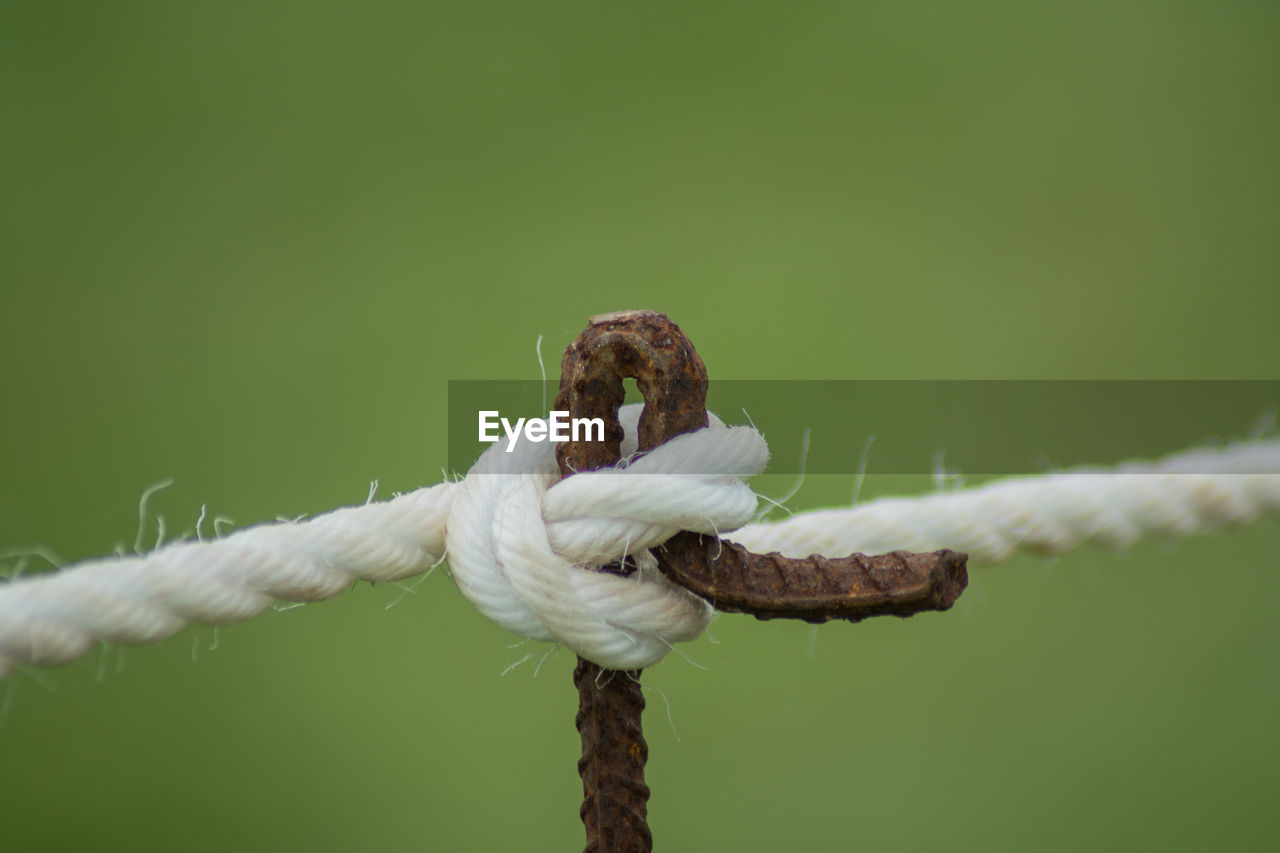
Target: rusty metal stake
x=648 y=347
x=651 y=349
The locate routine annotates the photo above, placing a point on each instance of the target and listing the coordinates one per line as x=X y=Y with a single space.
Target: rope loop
x=524 y=545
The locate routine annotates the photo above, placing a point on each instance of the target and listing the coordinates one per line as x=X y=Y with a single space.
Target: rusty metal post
x=648 y=347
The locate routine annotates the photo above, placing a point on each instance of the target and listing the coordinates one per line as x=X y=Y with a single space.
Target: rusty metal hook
x=648 y=347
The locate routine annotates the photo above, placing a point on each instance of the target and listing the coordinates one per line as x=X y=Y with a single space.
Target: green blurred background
x=245 y=245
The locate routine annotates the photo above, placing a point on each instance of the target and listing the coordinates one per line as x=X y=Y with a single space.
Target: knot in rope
x=524 y=544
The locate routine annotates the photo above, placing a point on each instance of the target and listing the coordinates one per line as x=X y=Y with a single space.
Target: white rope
x=1192 y=492
x=521 y=540
x=522 y=543
x=55 y=617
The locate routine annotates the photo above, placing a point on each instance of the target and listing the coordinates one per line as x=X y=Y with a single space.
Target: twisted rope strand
x=55 y=617
x=1194 y=491
x=521 y=543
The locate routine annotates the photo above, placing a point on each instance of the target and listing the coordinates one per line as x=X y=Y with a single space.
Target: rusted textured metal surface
x=641 y=345
x=648 y=347
x=614 y=795
x=815 y=589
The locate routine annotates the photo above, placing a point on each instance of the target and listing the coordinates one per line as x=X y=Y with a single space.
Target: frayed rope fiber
x=522 y=543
